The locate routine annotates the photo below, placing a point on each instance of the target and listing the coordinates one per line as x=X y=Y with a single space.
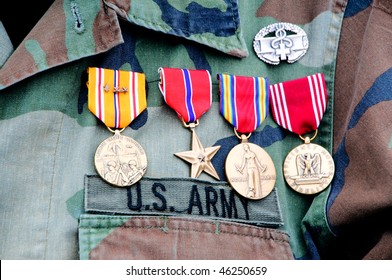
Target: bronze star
x=200 y=158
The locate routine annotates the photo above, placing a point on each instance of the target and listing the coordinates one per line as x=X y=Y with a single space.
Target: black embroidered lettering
x=138 y=205
x=211 y=201
x=244 y=203
x=180 y=197
x=195 y=200
x=160 y=196
x=229 y=206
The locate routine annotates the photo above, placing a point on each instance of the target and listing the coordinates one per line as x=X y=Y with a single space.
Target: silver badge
x=289 y=43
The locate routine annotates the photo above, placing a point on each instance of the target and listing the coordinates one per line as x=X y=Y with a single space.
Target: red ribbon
x=299 y=105
x=186 y=91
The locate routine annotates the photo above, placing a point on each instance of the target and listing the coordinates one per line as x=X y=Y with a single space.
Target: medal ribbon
x=243 y=101
x=299 y=105
x=116 y=97
x=186 y=91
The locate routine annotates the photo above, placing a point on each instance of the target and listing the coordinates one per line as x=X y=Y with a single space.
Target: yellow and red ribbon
x=116 y=97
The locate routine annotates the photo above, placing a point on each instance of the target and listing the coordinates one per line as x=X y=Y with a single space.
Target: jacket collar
x=71 y=30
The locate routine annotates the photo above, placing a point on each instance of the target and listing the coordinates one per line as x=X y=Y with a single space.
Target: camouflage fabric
x=49 y=137
x=6 y=47
x=360 y=201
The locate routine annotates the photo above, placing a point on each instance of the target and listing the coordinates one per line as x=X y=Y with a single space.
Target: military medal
x=289 y=43
x=244 y=103
x=188 y=93
x=298 y=106
x=117 y=97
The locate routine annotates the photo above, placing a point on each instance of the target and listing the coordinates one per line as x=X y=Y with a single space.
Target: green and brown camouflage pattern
x=360 y=203
x=49 y=136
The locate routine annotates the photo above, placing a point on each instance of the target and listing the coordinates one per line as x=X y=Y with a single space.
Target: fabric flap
x=71 y=30
x=112 y=237
x=214 y=23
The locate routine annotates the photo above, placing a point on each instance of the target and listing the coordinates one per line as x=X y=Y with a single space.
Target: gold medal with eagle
x=298 y=106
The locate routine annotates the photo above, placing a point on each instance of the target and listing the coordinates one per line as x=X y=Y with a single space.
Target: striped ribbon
x=186 y=91
x=299 y=105
x=116 y=97
x=243 y=101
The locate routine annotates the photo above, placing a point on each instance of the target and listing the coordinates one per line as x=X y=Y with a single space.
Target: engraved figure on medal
x=120 y=160
x=309 y=168
x=250 y=171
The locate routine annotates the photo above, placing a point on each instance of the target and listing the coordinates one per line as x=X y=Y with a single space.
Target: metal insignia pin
x=289 y=43
x=120 y=89
x=106 y=87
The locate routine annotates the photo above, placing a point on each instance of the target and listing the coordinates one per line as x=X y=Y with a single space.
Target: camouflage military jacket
x=55 y=206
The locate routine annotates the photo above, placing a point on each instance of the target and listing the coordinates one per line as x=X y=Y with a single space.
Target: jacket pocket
x=178 y=218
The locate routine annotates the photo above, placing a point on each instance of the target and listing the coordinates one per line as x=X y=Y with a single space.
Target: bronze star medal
x=200 y=158
x=189 y=93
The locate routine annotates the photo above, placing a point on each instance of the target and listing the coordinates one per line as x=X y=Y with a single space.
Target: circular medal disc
x=308 y=169
x=250 y=171
x=120 y=160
